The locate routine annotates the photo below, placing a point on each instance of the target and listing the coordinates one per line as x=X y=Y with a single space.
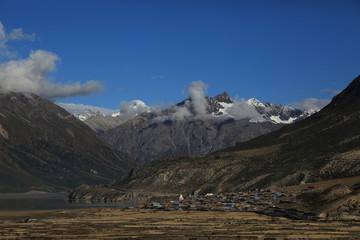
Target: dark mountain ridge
x=44 y=147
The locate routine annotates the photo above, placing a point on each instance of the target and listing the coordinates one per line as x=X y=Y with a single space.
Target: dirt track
x=115 y=223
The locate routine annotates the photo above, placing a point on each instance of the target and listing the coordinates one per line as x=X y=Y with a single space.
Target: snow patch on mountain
x=81 y=108
x=276 y=113
x=225 y=106
x=277 y=119
x=256 y=103
x=116 y=114
x=85 y=112
x=240 y=109
x=221 y=106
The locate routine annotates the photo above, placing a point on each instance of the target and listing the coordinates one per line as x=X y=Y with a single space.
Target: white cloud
x=242 y=110
x=31 y=76
x=197 y=92
x=80 y=108
x=196 y=107
x=2 y=34
x=176 y=113
x=180 y=113
x=311 y=104
x=16 y=34
x=331 y=91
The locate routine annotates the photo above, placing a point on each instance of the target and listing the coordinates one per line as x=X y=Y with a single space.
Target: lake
x=45 y=201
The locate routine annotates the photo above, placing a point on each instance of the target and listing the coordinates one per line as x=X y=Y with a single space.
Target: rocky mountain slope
x=186 y=128
x=44 y=147
x=323 y=146
x=100 y=122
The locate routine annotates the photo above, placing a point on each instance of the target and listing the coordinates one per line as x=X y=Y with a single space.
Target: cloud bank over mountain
x=133 y=108
x=242 y=110
x=197 y=107
x=80 y=108
x=311 y=104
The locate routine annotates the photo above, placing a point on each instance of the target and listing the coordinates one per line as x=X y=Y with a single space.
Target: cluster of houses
x=254 y=200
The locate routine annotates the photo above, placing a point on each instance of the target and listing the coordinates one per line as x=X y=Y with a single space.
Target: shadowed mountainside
x=44 y=147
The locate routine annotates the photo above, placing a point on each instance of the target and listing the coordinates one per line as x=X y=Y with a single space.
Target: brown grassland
x=119 y=223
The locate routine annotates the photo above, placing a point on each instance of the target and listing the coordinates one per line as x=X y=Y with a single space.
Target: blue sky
x=273 y=50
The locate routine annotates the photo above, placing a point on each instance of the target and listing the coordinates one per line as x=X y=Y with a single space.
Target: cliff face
x=145 y=140
x=44 y=147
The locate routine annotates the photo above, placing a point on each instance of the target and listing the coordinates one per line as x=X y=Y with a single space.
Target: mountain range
x=101 y=122
x=44 y=147
x=181 y=130
x=320 y=147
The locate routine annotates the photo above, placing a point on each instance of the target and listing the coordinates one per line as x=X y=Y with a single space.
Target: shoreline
x=32 y=195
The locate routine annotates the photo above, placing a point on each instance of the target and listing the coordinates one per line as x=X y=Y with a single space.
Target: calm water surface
x=47 y=201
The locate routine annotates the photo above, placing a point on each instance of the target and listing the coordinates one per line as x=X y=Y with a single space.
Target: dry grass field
x=117 y=223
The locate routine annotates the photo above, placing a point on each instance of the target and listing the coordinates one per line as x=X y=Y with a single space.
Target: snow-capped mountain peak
x=87 y=114
x=277 y=113
x=140 y=106
x=221 y=105
x=128 y=110
x=255 y=102
x=133 y=108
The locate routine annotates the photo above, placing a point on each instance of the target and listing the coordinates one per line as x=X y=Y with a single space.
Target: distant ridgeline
x=194 y=126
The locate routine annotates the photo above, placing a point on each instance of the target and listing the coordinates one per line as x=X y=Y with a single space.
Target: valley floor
x=120 y=223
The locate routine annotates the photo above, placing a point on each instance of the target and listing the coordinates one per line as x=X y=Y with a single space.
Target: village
x=267 y=201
